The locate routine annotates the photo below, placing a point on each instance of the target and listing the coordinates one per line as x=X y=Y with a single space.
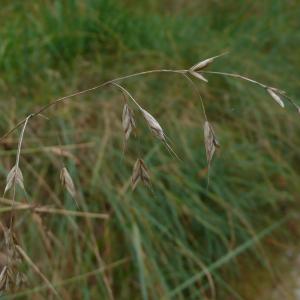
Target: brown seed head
x=128 y=122
x=139 y=173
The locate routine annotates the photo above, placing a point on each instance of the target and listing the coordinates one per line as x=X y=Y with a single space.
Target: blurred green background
x=180 y=239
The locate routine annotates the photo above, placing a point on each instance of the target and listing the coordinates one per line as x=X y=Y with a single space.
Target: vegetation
x=179 y=239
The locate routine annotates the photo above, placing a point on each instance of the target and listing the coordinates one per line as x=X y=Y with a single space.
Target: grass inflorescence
x=174 y=237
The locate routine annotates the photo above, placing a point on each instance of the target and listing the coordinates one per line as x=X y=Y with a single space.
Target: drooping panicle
x=140 y=173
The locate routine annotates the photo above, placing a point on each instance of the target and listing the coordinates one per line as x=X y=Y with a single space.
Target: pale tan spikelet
x=157 y=130
x=198 y=75
x=14 y=176
x=67 y=182
x=128 y=122
x=203 y=64
x=210 y=141
x=272 y=92
x=154 y=125
x=140 y=173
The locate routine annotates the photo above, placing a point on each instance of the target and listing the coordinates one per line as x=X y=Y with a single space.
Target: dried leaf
x=210 y=140
x=140 y=173
x=275 y=96
x=203 y=64
x=128 y=122
x=14 y=176
x=198 y=75
x=154 y=125
x=67 y=182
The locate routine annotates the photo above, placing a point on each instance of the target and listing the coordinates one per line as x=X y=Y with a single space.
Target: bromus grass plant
x=107 y=210
x=12 y=277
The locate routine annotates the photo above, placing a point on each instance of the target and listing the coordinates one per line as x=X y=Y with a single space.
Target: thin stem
x=16 y=170
x=198 y=93
x=21 y=140
x=124 y=91
x=236 y=76
x=62 y=99
x=70 y=280
x=282 y=93
x=37 y=270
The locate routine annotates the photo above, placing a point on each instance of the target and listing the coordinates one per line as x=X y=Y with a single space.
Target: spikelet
x=14 y=176
x=139 y=173
x=275 y=96
x=203 y=64
x=198 y=75
x=210 y=141
x=67 y=182
x=128 y=122
x=154 y=125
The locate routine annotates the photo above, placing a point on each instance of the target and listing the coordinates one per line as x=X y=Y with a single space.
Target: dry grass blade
x=210 y=140
x=140 y=173
x=275 y=96
x=50 y=210
x=198 y=75
x=154 y=125
x=128 y=122
x=203 y=64
x=67 y=182
x=37 y=270
x=14 y=176
x=71 y=280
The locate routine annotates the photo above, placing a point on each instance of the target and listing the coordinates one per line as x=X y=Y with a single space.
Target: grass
x=158 y=244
